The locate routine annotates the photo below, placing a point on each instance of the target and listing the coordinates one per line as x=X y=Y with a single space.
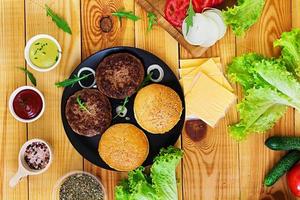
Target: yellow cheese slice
x=187 y=83
x=211 y=69
x=208 y=100
x=187 y=63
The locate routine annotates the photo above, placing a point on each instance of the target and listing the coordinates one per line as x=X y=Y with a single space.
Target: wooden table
x=215 y=168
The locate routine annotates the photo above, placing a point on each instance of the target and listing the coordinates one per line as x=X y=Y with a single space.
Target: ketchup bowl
x=26 y=104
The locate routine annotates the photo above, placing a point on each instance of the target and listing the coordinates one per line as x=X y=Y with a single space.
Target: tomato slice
x=175 y=11
x=199 y=5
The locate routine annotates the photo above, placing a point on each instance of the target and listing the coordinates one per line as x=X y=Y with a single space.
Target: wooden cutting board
x=157 y=7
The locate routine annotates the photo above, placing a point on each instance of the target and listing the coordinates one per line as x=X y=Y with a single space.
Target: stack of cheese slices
x=208 y=94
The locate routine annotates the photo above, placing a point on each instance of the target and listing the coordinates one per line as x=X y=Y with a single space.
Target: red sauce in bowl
x=27 y=104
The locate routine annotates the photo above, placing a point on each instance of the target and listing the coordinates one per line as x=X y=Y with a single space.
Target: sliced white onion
x=159 y=69
x=204 y=32
x=219 y=12
x=90 y=70
x=217 y=17
x=121 y=113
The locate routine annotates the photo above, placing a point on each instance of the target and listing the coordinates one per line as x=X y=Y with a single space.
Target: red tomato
x=293 y=180
x=199 y=5
x=175 y=10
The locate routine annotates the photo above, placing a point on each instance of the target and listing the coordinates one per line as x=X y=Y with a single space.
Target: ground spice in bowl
x=80 y=186
x=37 y=155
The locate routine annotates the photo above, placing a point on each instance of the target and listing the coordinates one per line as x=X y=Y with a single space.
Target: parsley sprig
x=152 y=20
x=190 y=15
x=81 y=104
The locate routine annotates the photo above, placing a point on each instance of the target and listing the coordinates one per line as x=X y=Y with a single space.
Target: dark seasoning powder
x=81 y=186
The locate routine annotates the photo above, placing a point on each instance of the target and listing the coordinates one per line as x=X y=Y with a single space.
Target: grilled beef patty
x=92 y=120
x=119 y=75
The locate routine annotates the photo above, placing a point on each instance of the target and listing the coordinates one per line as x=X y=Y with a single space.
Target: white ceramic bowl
x=27 y=49
x=12 y=97
x=55 y=192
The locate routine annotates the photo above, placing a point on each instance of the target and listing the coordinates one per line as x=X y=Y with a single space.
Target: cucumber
x=283 y=143
x=282 y=167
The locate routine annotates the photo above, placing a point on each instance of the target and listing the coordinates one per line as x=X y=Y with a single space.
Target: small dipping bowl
x=56 y=189
x=18 y=92
x=88 y=82
x=24 y=169
x=32 y=42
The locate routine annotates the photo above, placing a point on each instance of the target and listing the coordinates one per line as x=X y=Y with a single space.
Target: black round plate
x=88 y=146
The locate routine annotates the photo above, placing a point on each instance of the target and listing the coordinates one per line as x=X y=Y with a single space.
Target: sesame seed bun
x=157 y=108
x=124 y=147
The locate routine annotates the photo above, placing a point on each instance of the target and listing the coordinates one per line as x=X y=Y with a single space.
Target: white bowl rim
x=21 y=153
x=61 y=179
x=27 y=48
x=12 y=97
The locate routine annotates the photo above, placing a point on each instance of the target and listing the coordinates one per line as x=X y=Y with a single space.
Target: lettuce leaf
x=259 y=111
x=241 y=70
x=269 y=89
x=163 y=173
x=243 y=15
x=160 y=185
x=290 y=54
x=278 y=77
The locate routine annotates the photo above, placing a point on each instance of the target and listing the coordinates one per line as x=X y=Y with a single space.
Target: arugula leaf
x=81 y=104
x=60 y=22
x=125 y=14
x=71 y=81
x=126 y=100
x=146 y=80
x=243 y=15
x=152 y=19
x=29 y=74
x=190 y=15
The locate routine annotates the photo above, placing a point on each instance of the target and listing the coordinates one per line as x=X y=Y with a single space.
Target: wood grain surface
x=216 y=168
x=50 y=127
x=94 y=39
x=13 y=134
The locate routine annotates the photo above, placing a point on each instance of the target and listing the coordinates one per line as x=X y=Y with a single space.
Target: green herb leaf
x=146 y=80
x=190 y=15
x=29 y=74
x=71 y=81
x=60 y=22
x=152 y=19
x=81 y=104
x=125 y=14
x=126 y=100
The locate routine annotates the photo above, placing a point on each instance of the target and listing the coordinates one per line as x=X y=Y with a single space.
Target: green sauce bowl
x=42 y=52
